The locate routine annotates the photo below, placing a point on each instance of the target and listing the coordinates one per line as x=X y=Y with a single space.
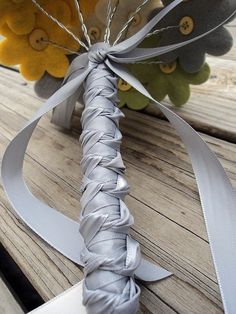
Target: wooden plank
x=8 y=304
x=232 y=54
x=168 y=218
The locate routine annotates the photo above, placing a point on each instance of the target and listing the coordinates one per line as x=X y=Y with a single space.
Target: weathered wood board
x=164 y=201
x=8 y=304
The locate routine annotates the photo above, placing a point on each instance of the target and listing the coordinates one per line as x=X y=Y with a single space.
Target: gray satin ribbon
x=217 y=195
x=110 y=255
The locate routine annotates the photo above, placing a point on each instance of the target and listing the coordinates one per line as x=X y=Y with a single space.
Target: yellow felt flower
x=87 y=8
x=18 y=14
x=33 y=52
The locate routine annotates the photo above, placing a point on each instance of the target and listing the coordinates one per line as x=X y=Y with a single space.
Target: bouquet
x=109 y=54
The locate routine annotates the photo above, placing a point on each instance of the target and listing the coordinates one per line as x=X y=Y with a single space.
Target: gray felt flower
x=48 y=85
x=194 y=18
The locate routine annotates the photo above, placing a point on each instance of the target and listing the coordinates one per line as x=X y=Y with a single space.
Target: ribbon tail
x=31 y=211
x=62 y=115
x=218 y=198
x=149 y=272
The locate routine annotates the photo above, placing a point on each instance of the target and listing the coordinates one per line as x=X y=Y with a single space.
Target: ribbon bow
x=217 y=195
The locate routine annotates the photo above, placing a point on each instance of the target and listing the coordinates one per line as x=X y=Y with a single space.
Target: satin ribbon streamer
x=217 y=195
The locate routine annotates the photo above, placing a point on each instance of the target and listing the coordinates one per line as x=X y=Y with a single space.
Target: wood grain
x=164 y=201
x=8 y=304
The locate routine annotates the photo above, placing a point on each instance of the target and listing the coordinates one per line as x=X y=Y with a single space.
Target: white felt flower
x=124 y=11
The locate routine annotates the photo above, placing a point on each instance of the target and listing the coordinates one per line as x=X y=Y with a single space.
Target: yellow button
x=94 y=33
x=123 y=86
x=38 y=39
x=186 y=25
x=137 y=19
x=168 y=68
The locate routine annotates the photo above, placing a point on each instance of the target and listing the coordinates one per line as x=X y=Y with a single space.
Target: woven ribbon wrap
x=111 y=258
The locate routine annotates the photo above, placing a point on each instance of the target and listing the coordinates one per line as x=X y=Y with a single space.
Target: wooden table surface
x=164 y=201
x=8 y=304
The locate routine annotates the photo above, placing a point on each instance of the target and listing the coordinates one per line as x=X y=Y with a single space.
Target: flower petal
x=133 y=100
x=179 y=94
x=31 y=71
x=21 y=23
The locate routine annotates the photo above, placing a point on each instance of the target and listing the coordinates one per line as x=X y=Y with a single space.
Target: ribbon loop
x=98 y=52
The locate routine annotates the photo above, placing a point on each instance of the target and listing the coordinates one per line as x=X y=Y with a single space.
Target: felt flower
x=195 y=18
x=19 y=15
x=96 y=29
x=48 y=85
x=125 y=9
x=162 y=80
x=33 y=52
x=87 y=8
x=130 y=97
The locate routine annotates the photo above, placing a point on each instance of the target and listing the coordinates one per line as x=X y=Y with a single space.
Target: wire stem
x=111 y=14
x=60 y=24
x=130 y=20
x=83 y=25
